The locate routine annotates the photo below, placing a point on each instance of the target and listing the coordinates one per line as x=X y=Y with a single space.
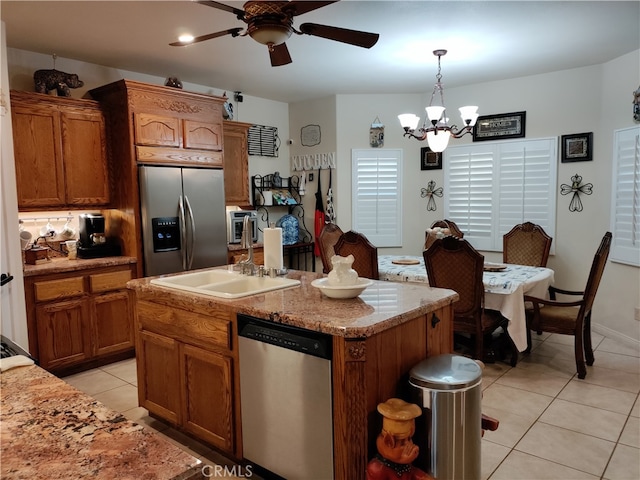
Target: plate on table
x=494 y=267
x=405 y=261
x=341 y=291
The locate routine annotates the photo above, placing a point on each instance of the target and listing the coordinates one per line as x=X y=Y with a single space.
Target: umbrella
x=319 y=216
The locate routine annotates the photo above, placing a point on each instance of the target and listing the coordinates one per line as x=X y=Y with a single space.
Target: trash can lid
x=446 y=372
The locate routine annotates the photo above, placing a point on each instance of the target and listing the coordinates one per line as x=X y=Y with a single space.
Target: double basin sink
x=223 y=283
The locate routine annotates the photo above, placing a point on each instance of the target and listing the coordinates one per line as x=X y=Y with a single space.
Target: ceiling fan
x=271 y=23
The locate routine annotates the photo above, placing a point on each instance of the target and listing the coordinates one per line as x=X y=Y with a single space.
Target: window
x=625 y=201
x=377 y=201
x=490 y=187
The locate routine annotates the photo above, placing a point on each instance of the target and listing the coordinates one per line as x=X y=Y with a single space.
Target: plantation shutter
x=491 y=187
x=625 y=203
x=469 y=192
x=377 y=200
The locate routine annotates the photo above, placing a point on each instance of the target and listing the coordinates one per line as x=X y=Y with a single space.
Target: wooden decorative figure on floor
x=396 y=450
x=576 y=204
x=429 y=192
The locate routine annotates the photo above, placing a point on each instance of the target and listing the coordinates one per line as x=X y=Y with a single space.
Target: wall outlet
x=636 y=314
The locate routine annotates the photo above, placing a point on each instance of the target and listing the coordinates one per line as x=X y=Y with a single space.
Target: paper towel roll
x=273 y=248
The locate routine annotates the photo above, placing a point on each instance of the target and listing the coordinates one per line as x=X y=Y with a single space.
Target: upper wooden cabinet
x=236 y=164
x=164 y=125
x=60 y=152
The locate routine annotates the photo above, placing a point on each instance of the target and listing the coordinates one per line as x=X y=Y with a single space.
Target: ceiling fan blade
x=221 y=6
x=344 y=35
x=234 y=32
x=300 y=7
x=279 y=55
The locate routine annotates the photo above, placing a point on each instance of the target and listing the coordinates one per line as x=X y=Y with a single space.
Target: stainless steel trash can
x=448 y=389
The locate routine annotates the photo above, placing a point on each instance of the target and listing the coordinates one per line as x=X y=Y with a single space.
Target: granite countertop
x=380 y=307
x=62 y=264
x=50 y=429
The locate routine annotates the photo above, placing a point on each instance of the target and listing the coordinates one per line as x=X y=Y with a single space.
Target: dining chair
x=326 y=243
x=365 y=254
x=572 y=317
x=451 y=225
x=526 y=244
x=454 y=264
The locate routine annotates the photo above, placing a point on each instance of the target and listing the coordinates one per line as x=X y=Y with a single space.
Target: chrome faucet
x=246 y=241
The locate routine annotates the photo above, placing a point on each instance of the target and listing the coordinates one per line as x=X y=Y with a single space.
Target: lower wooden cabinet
x=186 y=371
x=78 y=319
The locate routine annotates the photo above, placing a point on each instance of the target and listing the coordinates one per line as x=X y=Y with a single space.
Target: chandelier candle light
x=438 y=133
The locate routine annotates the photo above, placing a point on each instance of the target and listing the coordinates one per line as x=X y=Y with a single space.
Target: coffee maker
x=93 y=241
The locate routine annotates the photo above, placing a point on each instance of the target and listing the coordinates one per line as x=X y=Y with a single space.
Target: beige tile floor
x=552 y=425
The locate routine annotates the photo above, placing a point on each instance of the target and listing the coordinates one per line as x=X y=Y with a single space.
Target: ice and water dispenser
x=166 y=234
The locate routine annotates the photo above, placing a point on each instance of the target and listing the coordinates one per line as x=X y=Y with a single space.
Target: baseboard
x=614 y=335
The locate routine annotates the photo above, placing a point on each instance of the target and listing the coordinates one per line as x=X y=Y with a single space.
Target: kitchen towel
x=15 y=361
x=273 y=248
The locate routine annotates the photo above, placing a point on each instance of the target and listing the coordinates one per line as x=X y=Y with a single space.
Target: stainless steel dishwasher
x=285 y=383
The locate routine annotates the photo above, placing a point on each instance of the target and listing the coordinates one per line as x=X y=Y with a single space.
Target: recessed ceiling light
x=186 y=38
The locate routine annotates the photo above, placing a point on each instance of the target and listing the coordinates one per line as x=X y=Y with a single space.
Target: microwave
x=236 y=219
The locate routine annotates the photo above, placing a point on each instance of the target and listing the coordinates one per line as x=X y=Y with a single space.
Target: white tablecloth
x=504 y=291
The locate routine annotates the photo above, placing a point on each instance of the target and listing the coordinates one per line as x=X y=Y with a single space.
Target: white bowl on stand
x=341 y=291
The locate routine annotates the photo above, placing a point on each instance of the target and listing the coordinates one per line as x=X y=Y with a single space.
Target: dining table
x=505 y=286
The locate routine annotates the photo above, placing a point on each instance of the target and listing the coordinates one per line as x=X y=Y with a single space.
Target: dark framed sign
x=496 y=127
x=577 y=147
x=430 y=160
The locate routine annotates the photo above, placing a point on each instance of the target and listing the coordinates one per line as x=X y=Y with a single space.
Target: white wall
x=321 y=112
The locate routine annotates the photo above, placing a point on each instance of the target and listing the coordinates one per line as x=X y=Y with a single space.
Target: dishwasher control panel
x=285 y=336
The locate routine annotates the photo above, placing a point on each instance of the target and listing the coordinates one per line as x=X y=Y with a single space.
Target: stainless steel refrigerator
x=183 y=219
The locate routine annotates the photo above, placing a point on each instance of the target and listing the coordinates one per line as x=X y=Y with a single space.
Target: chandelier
x=437 y=134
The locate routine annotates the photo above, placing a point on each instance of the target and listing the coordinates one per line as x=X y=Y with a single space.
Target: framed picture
x=430 y=160
x=496 y=127
x=577 y=147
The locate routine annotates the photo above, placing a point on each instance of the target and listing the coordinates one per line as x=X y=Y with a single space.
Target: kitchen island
x=377 y=338
x=49 y=429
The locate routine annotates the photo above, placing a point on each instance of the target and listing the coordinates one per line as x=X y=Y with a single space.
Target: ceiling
x=486 y=41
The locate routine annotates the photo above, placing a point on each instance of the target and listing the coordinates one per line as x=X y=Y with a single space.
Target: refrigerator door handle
x=183 y=231
x=192 y=233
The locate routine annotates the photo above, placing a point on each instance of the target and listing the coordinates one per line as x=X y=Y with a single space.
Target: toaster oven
x=236 y=218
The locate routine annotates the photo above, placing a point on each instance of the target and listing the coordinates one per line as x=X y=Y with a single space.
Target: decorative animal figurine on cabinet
x=62 y=82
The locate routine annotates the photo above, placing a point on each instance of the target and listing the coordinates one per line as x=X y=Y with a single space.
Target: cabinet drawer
x=57 y=289
x=189 y=327
x=178 y=156
x=103 y=282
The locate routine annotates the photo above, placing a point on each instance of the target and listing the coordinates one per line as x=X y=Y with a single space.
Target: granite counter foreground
x=50 y=429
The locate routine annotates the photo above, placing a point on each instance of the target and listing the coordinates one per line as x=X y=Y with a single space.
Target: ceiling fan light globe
x=186 y=38
x=439 y=140
x=409 y=121
x=270 y=34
